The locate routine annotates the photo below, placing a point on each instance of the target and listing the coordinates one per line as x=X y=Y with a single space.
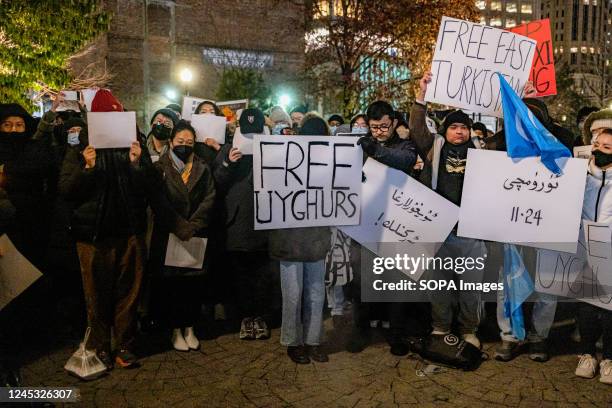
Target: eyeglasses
x=381 y=128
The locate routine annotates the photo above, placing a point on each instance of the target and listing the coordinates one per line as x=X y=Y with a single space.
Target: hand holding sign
x=89 y=154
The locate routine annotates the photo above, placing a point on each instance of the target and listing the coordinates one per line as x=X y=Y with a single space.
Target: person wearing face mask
x=189 y=187
x=280 y=120
x=162 y=123
x=595 y=123
x=209 y=149
x=597 y=207
x=334 y=121
x=445 y=159
x=297 y=115
x=359 y=124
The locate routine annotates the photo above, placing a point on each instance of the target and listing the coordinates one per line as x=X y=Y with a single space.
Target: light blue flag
x=518 y=286
x=525 y=135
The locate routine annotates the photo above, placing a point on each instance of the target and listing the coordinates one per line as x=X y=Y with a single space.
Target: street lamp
x=186 y=76
x=171 y=94
x=284 y=100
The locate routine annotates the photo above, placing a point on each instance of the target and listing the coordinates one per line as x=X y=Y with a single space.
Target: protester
x=247 y=261
x=189 y=187
x=480 y=130
x=297 y=115
x=176 y=108
x=162 y=122
x=597 y=207
x=334 y=121
x=383 y=144
x=581 y=116
x=280 y=120
x=444 y=170
x=359 y=124
x=301 y=252
x=107 y=188
x=208 y=149
x=595 y=123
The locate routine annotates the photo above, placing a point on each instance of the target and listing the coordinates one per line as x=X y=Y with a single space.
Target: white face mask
x=73 y=138
x=359 y=130
x=333 y=129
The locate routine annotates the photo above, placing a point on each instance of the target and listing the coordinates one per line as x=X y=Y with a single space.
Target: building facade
x=150 y=42
x=508 y=13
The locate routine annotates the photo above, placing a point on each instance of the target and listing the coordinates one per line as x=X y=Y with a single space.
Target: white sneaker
x=472 y=339
x=587 y=366
x=178 y=341
x=605 y=372
x=191 y=339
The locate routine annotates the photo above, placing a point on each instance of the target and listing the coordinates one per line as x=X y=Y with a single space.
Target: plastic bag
x=84 y=363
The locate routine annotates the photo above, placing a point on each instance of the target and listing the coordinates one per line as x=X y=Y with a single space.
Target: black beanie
x=252 y=121
x=14 y=109
x=169 y=113
x=456 y=116
x=314 y=126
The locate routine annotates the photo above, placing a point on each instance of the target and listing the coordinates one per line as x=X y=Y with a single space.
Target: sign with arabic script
x=522 y=201
x=395 y=208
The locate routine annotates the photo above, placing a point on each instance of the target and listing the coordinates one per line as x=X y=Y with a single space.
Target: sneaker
x=298 y=355
x=587 y=366
x=538 y=351
x=605 y=371
x=385 y=324
x=126 y=359
x=107 y=360
x=190 y=338
x=374 y=323
x=178 y=341
x=317 y=354
x=220 y=312
x=261 y=329
x=247 y=329
x=472 y=339
x=507 y=350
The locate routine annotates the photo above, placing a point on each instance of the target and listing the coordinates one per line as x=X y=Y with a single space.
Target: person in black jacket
x=107 y=189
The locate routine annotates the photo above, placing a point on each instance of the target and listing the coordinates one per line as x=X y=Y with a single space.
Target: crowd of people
x=110 y=214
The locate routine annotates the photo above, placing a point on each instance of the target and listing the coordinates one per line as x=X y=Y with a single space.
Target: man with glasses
x=382 y=144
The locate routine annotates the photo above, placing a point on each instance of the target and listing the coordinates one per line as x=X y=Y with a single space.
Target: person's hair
x=584 y=112
x=214 y=105
x=378 y=109
x=180 y=126
x=480 y=126
x=606 y=131
x=356 y=117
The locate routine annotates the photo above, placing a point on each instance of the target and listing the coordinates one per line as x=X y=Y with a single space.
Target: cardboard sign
x=111 y=130
x=583 y=152
x=543 y=67
x=16 y=272
x=518 y=202
x=244 y=143
x=230 y=109
x=397 y=209
x=306 y=181
x=466 y=59
x=190 y=103
x=209 y=125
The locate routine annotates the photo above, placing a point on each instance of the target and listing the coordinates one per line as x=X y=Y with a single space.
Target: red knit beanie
x=104 y=101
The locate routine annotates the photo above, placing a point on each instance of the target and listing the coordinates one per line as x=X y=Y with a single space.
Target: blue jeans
x=336 y=300
x=303 y=288
x=542 y=316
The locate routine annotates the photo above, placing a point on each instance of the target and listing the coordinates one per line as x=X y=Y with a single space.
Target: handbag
x=450 y=350
x=338 y=271
x=84 y=363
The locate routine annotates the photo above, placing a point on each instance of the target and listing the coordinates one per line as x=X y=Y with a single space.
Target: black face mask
x=602 y=159
x=183 y=152
x=161 y=132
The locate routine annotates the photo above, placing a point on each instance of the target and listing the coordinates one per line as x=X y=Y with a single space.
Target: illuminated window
x=496 y=5
x=561 y=50
x=592 y=50
x=510 y=22
x=496 y=22
x=585 y=2
x=526 y=9
x=481 y=4
x=574 y=50
x=511 y=7
x=583 y=50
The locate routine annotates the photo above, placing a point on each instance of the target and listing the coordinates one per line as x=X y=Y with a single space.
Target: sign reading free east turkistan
x=522 y=201
x=306 y=181
x=466 y=59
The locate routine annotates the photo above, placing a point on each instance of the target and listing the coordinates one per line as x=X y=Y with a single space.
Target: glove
x=368 y=145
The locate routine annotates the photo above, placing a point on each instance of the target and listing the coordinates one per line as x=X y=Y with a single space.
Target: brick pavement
x=228 y=372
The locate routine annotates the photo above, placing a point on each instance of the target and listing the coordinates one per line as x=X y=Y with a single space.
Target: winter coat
x=192 y=203
x=110 y=199
x=429 y=146
x=597 y=204
x=234 y=182
x=395 y=152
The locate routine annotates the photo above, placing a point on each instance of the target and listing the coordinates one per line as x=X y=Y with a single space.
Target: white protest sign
x=522 y=202
x=306 y=181
x=465 y=61
x=583 y=152
x=209 y=125
x=107 y=130
x=244 y=143
x=16 y=272
x=185 y=254
x=190 y=103
x=397 y=209
x=88 y=96
x=598 y=237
